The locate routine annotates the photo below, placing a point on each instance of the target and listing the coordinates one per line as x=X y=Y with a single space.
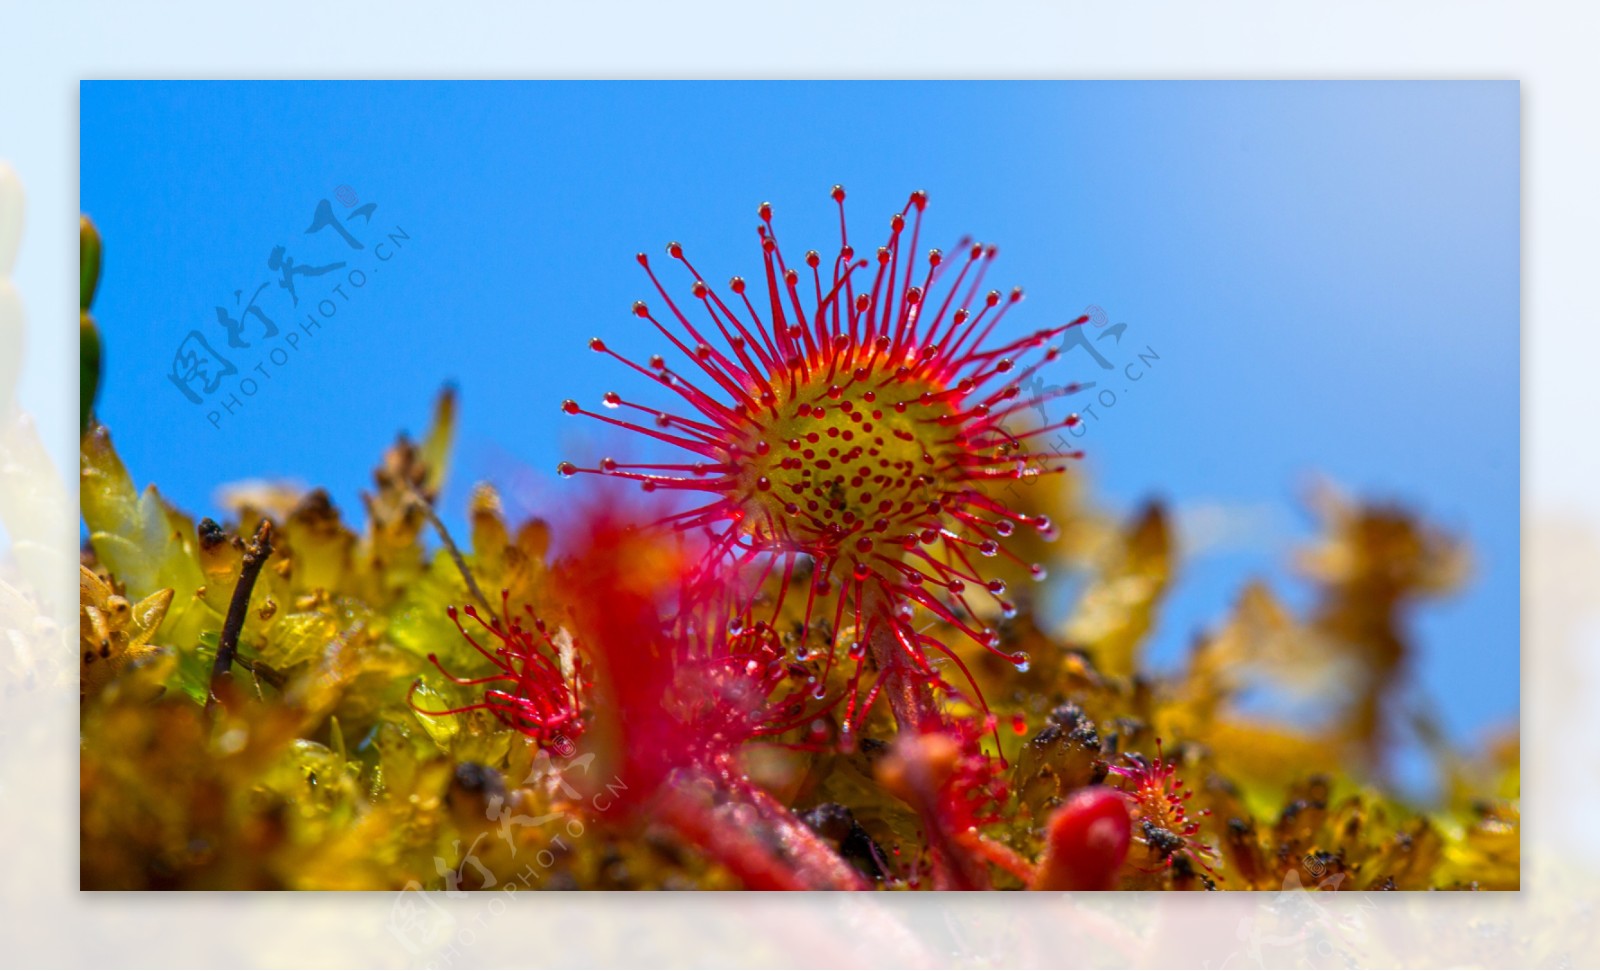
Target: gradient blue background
x=1329 y=273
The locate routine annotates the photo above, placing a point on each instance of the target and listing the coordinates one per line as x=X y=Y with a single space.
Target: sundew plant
x=790 y=636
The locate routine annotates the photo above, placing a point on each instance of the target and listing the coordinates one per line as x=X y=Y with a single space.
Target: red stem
x=764 y=845
x=916 y=711
x=910 y=695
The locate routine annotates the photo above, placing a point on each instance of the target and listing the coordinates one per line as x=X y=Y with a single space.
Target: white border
x=46 y=48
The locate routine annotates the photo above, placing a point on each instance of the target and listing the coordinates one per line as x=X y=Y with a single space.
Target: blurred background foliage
x=316 y=769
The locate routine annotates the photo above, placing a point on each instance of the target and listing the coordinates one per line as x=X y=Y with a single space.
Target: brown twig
x=263 y=672
x=255 y=557
x=453 y=550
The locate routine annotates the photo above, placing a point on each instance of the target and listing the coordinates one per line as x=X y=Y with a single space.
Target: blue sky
x=1328 y=274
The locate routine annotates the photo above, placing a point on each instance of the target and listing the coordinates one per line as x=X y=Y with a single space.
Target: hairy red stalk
x=910 y=695
x=752 y=834
x=955 y=788
x=683 y=689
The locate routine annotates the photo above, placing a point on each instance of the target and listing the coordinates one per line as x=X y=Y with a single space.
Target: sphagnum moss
x=772 y=697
